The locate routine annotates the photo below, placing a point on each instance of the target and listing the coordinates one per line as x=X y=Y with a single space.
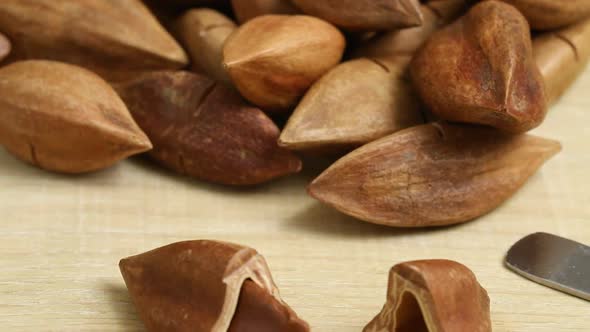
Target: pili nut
x=115 y=39
x=206 y=286
x=206 y=130
x=5 y=47
x=562 y=56
x=552 y=14
x=274 y=59
x=203 y=33
x=406 y=41
x=481 y=70
x=248 y=9
x=432 y=175
x=356 y=102
x=64 y=118
x=433 y=296
x=365 y=14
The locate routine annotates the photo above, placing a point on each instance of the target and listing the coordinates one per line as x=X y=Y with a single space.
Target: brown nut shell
x=203 y=33
x=355 y=103
x=206 y=130
x=205 y=286
x=481 y=70
x=562 y=55
x=274 y=59
x=365 y=14
x=246 y=10
x=433 y=296
x=115 y=39
x=432 y=175
x=435 y=15
x=552 y=14
x=64 y=118
x=5 y=47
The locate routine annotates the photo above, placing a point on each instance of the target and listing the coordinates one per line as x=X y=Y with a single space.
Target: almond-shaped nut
x=246 y=10
x=432 y=175
x=274 y=59
x=481 y=70
x=115 y=39
x=355 y=103
x=206 y=286
x=552 y=14
x=406 y=41
x=365 y=14
x=562 y=56
x=433 y=296
x=64 y=118
x=5 y=47
x=206 y=130
x=203 y=33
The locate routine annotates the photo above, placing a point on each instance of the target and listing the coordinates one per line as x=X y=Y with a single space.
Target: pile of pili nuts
x=427 y=104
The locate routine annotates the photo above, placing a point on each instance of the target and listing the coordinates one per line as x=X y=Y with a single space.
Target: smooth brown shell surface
x=433 y=296
x=248 y=9
x=365 y=14
x=115 y=39
x=202 y=286
x=432 y=175
x=552 y=14
x=205 y=130
x=355 y=103
x=481 y=70
x=562 y=55
x=274 y=59
x=64 y=118
x=203 y=32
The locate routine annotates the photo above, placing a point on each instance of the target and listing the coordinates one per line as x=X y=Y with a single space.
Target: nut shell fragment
x=206 y=130
x=64 y=118
x=199 y=286
x=552 y=14
x=481 y=70
x=433 y=296
x=431 y=175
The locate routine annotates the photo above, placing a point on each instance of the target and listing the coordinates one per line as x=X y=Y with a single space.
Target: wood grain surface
x=61 y=238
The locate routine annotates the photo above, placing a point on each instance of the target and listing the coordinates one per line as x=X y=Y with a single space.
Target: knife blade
x=552 y=261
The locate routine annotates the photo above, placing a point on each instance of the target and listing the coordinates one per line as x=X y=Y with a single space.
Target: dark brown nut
x=274 y=59
x=436 y=14
x=365 y=14
x=203 y=33
x=552 y=14
x=64 y=118
x=206 y=286
x=355 y=103
x=205 y=130
x=246 y=10
x=562 y=56
x=5 y=47
x=481 y=70
x=432 y=175
x=115 y=39
x=433 y=296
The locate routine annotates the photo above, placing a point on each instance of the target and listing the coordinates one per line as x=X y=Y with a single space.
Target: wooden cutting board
x=61 y=238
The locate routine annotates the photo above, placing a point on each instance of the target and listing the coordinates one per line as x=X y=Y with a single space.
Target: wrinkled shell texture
x=274 y=59
x=64 y=118
x=206 y=286
x=433 y=296
x=481 y=70
x=248 y=9
x=112 y=38
x=562 y=56
x=552 y=14
x=365 y=14
x=205 y=130
x=203 y=32
x=356 y=102
x=431 y=175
